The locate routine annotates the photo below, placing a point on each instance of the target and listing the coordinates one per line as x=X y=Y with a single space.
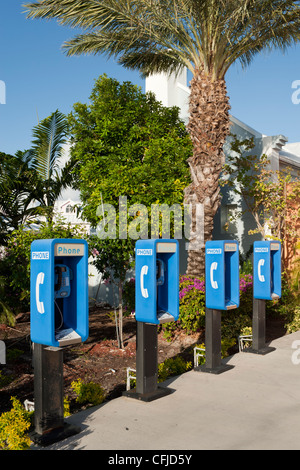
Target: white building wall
x=171 y=90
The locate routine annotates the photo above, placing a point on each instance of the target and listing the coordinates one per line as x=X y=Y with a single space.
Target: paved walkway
x=255 y=405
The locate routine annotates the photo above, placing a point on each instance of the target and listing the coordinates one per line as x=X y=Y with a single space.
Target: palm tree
x=50 y=136
x=19 y=188
x=207 y=37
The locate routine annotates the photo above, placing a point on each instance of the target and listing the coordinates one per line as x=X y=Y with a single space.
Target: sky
x=39 y=78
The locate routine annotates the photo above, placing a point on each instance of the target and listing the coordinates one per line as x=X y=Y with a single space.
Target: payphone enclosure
x=222 y=275
x=267 y=270
x=59 y=292
x=157 y=281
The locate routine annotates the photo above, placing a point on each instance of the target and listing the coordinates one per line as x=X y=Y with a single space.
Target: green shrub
x=171 y=367
x=293 y=318
x=246 y=295
x=232 y=324
x=14 y=426
x=129 y=296
x=15 y=262
x=192 y=308
x=191 y=304
x=13 y=354
x=226 y=344
x=5 y=380
x=88 y=392
x=66 y=407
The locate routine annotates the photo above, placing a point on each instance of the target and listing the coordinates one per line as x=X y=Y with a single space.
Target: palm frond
x=150 y=35
x=49 y=137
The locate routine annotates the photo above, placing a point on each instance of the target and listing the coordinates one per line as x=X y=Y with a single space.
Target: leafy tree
x=262 y=189
x=114 y=258
x=205 y=36
x=125 y=143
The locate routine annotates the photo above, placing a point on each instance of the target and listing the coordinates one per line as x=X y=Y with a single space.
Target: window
x=229 y=218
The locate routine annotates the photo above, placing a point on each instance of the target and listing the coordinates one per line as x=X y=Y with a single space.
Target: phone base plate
x=54 y=435
x=261 y=352
x=150 y=396
x=214 y=370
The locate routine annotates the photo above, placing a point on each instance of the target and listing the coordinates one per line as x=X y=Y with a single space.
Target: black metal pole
x=259 y=324
x=48 y=397
x=146 y=358
x=259 y=329
x=213 y=357
x=147 y=388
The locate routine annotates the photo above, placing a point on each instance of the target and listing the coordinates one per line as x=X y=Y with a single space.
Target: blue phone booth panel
x=59 y=292
x=267 y=270
x=157 y=281
x=222 y=275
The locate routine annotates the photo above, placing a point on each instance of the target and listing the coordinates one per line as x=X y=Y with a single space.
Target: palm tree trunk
x=209 y=126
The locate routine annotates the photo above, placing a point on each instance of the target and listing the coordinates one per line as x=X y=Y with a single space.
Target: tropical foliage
x=125 y=144
x=32 y=180
x=19 y=181
x=50 y=138
x=15 y=262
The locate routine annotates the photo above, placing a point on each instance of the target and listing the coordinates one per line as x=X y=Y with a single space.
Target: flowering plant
x=191 y=303
x=192 y=307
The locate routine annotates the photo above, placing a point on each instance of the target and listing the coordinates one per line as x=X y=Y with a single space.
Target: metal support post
x=213 y=358
x=147 y=388
x=48 y=397
x=259 y=329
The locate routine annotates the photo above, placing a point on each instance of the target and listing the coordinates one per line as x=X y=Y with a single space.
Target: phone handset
x=39 y=280
x=213 y=268
x=62 y=285
x=160 y=272
x=144 y=272
x=261 y=277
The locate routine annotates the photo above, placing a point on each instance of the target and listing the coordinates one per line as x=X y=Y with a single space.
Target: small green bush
x=192 y=308
x=129 y=296
x=14 y=426
x=13 y=354
x=293 y=323
x=233 y=323
x=5 y=380
x=226 y=344
x=66 y=407
x=15 y=262
x=191 y=304
x=88 y=392
x=171 y=367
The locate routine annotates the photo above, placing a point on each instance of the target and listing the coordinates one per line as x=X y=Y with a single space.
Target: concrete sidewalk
x=255 y=405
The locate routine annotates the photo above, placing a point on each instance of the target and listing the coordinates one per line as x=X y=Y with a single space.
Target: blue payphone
x=222 y=275
x=59 y=292
x=267 y=270
x=157 y=281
